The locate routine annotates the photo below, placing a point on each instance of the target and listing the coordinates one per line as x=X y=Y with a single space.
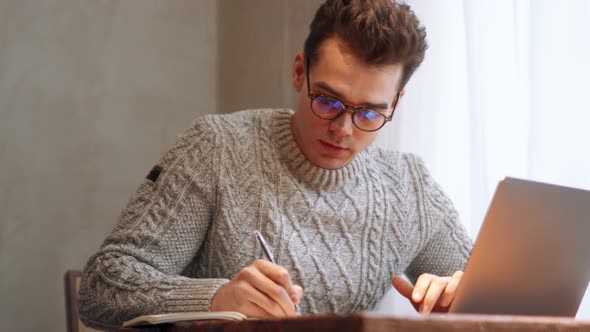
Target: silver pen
x=270 y=257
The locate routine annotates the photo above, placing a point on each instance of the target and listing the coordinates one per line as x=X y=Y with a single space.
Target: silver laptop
x=532 y=254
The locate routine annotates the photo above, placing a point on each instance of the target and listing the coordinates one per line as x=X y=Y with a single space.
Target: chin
x=330 y=163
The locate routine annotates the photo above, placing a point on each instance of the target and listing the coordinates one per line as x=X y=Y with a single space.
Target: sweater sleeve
x=138 y=269
x=445 y=245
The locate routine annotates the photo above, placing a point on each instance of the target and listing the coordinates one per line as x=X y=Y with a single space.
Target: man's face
x=338 y=73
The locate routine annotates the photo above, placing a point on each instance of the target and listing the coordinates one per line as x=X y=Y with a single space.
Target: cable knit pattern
x=342 y=233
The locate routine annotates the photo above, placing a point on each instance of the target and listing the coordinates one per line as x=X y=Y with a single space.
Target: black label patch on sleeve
x=154 y=173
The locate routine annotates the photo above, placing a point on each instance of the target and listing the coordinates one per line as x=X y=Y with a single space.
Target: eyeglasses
x=330 y=108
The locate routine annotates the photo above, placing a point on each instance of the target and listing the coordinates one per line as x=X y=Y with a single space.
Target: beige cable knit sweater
x=342 y=233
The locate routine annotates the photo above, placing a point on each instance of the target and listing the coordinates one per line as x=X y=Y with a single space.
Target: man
x=342 y=217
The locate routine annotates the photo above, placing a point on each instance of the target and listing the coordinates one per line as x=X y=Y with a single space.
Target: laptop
x=532 y=254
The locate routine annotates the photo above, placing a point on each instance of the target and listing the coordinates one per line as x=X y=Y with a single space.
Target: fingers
x=271 y=296
x=276 y=273
x=258 y=304
x=261 y=290
x=449 y=293
x=421 y=287
x=403 y=286
x=435 y=286
x=431 y=292
x=281 y=276
x=297 y=294
x=254 y=311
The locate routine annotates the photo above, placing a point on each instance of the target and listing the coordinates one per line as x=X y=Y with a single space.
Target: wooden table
x=377 y=323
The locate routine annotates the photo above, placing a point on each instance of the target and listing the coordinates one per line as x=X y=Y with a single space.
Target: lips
x=333 y=147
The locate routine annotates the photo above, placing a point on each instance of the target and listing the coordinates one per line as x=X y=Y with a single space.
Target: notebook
x=532 y=254
x=184 y=316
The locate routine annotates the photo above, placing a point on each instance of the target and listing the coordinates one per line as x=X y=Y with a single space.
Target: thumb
x=403 y=286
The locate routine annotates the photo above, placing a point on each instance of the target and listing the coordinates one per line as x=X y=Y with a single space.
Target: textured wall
x=258 y=40
x=91 y=93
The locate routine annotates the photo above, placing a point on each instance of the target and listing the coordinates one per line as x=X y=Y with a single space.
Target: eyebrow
x=338 y=95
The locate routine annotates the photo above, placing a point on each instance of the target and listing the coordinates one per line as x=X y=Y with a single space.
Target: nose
x=342 y=126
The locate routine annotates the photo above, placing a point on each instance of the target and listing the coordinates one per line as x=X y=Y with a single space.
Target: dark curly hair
x=380 y=32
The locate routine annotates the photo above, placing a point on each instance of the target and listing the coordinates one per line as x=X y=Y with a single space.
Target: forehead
x=339 y=68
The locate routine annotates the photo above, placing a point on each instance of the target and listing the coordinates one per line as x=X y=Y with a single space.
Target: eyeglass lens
x=331 y=108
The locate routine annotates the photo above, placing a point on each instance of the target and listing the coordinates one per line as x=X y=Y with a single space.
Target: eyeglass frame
x=352 y=109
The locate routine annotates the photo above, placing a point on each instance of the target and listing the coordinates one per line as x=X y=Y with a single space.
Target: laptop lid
x=532 y=254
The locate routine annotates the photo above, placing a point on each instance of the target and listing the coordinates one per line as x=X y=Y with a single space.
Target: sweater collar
x=302 y=168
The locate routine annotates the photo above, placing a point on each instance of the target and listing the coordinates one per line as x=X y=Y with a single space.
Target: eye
x=327 y=105
x=370 y=115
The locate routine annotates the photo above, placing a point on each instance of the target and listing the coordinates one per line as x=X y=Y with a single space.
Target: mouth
x=333 y=147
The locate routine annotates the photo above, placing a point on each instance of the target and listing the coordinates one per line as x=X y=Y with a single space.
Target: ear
x=395 y=105
x=398 y=99
x=298 y=72
x=401 y=95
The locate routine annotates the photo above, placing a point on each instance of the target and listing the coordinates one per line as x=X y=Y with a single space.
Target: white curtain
x=503 y=91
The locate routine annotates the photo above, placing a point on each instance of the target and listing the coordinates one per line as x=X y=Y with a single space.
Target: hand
x=262 y=290
x=431 y=293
